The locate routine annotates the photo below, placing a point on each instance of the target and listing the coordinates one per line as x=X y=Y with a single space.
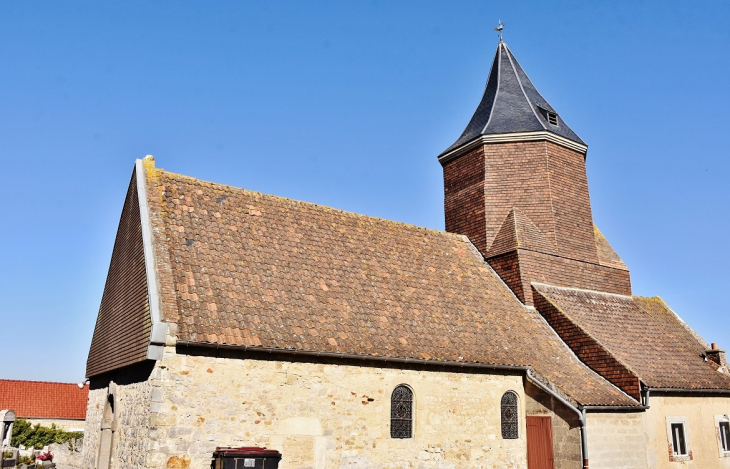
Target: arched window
x=510 y=416
x=401 y=412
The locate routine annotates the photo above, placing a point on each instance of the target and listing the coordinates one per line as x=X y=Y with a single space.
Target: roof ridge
x=582 y=290
x=36 y=381
x=522 y=88
x=314 y=204
x=496 y=92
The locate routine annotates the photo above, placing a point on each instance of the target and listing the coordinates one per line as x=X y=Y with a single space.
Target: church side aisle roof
x=259 y=270
x=512 y=104
x=654 y=343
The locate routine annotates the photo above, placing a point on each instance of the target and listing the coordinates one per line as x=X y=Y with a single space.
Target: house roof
x=511 y=104
x=256 y=270
x=653 y=342
x=43 y=399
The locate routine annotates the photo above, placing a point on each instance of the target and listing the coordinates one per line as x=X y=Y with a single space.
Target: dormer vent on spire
x=512 y=109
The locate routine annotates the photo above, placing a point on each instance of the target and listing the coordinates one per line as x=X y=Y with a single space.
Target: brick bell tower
x=515 y=183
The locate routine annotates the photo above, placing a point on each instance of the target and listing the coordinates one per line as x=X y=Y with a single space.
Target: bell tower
x=515 y=183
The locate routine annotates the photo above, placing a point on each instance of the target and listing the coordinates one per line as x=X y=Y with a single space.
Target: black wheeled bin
x=246 y=456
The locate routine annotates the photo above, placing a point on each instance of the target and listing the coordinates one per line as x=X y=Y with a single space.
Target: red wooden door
x=539 y=443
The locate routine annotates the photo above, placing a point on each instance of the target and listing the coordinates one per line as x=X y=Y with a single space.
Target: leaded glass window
x=510 y=416
x=401 y=412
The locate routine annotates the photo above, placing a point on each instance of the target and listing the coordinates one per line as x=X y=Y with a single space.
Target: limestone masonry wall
x=132 y=406
x=327 y=415
x=616 y=440
x=700 y=414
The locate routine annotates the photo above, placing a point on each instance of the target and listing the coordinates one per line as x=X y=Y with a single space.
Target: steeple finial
x=499 y=29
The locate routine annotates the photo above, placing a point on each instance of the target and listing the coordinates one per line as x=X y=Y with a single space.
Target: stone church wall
x=131 y=390
x=616 y=440
x=565 y=424
x=700 y=414
x=328 y=414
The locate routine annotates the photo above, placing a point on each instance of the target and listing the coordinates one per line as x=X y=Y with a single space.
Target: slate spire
x=512 y=104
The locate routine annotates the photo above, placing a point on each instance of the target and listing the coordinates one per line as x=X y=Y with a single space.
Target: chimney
x=717 y=356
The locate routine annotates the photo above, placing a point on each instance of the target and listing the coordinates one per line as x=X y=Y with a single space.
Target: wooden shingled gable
x=123 y=326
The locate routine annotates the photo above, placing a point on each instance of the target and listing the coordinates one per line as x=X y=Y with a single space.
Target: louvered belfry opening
x=401 y=412
x=123 y=326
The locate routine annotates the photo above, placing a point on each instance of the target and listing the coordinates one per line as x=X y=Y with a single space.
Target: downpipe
x=579 y=411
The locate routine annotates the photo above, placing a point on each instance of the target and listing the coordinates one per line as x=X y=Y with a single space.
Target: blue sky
x=345 y=104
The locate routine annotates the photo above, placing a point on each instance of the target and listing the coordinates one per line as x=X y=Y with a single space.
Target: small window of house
x=679 y=440
x=552 y=118
x=510 y=416
x=725 y=436
x=401 y=412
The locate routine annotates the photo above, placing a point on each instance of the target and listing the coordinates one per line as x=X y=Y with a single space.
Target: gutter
x=352 y=356
x=686 y=390
x=420 y=361
x=580 y=411
x=648 y=391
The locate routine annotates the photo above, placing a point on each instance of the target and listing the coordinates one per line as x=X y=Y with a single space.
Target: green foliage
x=26 y=460
x=7 y=454
x=36 y=436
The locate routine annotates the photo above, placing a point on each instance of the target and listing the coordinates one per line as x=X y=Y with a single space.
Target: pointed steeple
x=512 y=105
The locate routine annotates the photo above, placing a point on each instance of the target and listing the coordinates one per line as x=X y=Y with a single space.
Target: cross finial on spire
x=499 y=29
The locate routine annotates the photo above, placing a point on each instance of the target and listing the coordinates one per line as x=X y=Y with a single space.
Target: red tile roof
x=42 y=399
x=258 y=270
x=643 y=334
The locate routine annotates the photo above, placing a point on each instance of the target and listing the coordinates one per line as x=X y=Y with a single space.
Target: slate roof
x=258 y=270
x=43 y=399
x=643 y=334
x=510 y=104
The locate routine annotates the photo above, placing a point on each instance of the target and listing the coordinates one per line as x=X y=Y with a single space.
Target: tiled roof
x=643 y=334
x=606 y=255
x=259 y=270
x=517 y=231
x=510 y=104
x=42 y=399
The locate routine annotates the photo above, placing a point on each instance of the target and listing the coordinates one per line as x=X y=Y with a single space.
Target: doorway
x=106 y=439
x=540 y=442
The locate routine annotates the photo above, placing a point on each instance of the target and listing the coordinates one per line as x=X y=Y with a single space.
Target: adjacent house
x=46 y=403
x=510 y=340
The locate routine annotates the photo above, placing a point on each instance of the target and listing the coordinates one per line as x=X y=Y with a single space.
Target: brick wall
x=464 y=197
x=563 y=272
x=520 y=268
x=516 y=175
x=588 y=350
x=546 y=182
x=571 y=203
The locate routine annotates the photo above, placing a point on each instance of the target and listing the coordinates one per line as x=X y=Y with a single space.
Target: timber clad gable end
x=123 y=326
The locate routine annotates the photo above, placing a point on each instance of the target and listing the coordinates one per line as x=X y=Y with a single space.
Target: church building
x=509 y=340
